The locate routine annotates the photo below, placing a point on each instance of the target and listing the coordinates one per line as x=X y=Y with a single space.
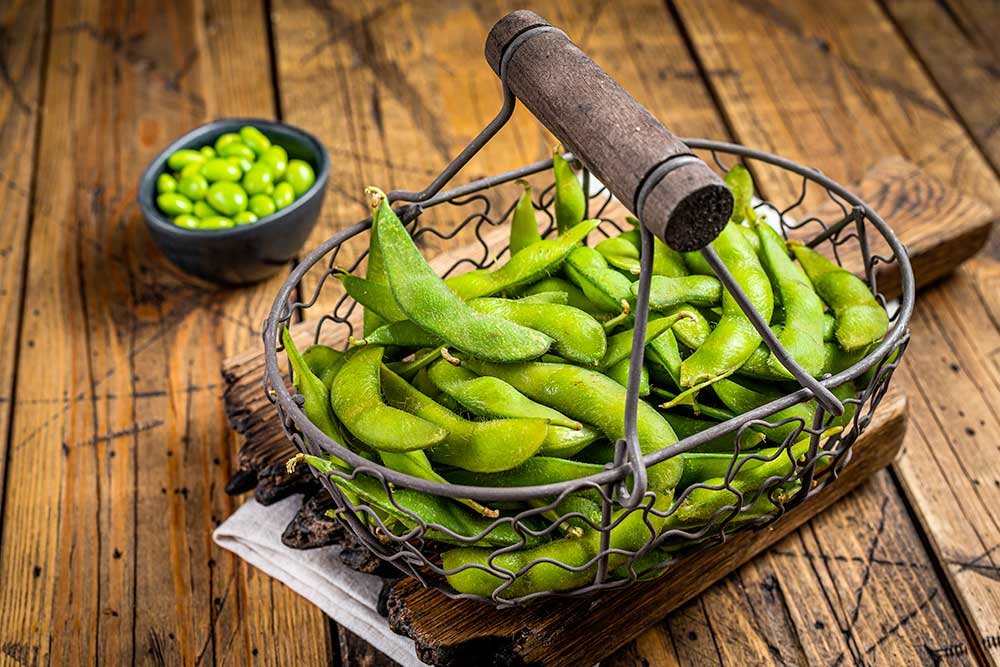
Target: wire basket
x=471 y=220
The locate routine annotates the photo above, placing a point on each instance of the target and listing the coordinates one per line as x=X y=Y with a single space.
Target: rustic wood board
x=578 y=631
x=118 y=448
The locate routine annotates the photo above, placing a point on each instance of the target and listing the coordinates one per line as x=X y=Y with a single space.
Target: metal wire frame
x=409 y=548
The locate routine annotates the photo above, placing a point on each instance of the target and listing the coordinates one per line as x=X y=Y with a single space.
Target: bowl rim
x=155 y=218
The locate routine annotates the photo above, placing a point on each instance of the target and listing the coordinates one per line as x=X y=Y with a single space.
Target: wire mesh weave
x=473 y=218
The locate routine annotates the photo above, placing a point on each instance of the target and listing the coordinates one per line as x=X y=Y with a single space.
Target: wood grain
x=956 y=42
x=854 y=91
x=119 y=450
x=20 y=93
x=572 y=631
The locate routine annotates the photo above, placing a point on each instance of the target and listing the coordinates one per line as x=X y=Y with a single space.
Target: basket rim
x=283 y=399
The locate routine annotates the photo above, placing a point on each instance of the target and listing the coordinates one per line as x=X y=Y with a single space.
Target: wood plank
x=854 y=92
x=956 y=45
x=571 y=631
x=19 y=100
x=119 y=449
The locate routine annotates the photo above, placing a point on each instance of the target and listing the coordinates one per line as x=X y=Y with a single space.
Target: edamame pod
x=861 y=320
x=570 y=199
x=356 y=398
x=620 y=345
x=428 y=302
x=685 y=426
x=802 y=335
x=416 y=463
x=605 y=287
x=619 y=373
x=574 y=295
x=372 y=295
x=324 y=362
x=493 y=398
x=535 y=471
x=523 y=224
x=536 y=261
x=576 y=335
x=487 y=446
x=734 y=338
x=669 y=292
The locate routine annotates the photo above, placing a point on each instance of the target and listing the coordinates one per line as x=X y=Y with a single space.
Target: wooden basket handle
x=676 y=195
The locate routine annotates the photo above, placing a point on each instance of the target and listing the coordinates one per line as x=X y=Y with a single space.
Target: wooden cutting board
x=940 y=227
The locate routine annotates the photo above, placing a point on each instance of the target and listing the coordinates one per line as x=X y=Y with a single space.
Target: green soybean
x=277 y=159
x=523 y=224
x=534 y=262
x=186 y=221
x=203 y=210
x=226 y=139
x=242 y=163
x=221 y=169
x=861 y=320
x=244 y=218
x=227 y=198
x=254 y=139
x=299 y=174
x=184 y=157
x=428 y=302
x=262 y=205
x=208 y=152
x=570 y=199
x=216 y=222
x=283 y=195
x=237 y=149
x=734 y=338
x=802 y=335
x=355 y=396
x=257 y=179
x=173 y=203
x=166 y=183
x=194 y=187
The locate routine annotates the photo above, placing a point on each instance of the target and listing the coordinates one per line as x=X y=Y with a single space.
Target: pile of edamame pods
x=515 y=376
x=242 y=178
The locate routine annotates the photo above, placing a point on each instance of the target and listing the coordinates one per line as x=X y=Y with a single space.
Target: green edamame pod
x=421 y=360
x=537 y=261
x=619 y=373
x=488 y=446
x=666 y=261
x=373 y=296
x=574 y=295
x=576 y=335
x=620 y=345
x=428 y=302
x=535 y=471
x=663 y=354
x=605 y=287
x=829 y=326
x=488 y=396
x=802 y=335
x=685 y=426
x=433 y=511
x=404 y=333
x=592 y=398
x=355 y=396
x=314 y=391
x=416 y=463
x=324 y=362
x=742 y=397
x=734 y=338
x=558 y=298
x=570 y=199
x=861 y=320
x=523 y=224
x=741 y=183
x=669 y=292
x=620 y=253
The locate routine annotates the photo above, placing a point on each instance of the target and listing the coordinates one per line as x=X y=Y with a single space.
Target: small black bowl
x=245 y=253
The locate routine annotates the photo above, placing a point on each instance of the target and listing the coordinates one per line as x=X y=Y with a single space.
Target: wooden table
x=113 y=445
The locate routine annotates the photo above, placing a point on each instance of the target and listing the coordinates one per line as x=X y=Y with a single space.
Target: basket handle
x=674 y=193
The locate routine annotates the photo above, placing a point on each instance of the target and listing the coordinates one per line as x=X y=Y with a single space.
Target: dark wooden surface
x=113 y=443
